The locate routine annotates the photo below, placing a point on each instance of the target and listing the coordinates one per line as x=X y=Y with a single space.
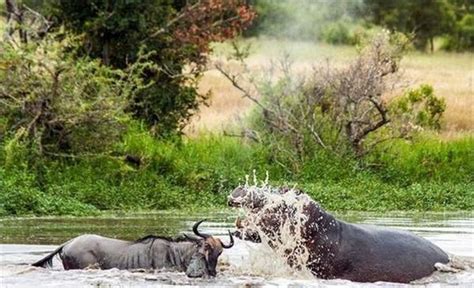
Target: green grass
x=199 y=173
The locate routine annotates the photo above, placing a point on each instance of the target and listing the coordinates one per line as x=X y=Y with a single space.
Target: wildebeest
x=197 y=256
x=336 y=249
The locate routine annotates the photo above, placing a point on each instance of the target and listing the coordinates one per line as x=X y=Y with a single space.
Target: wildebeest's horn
x=231 y=241
x=195 y=229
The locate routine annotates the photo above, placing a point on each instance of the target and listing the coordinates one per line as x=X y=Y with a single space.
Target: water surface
x=25 y=240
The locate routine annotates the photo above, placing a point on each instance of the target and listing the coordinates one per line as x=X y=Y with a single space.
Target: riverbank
x=426 y=175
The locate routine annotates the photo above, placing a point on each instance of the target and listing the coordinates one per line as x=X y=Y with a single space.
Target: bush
x=200 y=173
x=338 y=110
x=55 y=103
x=462 y=39
x=419 y=107
x=20 y=195
x=368 y=193
x=337 y=33
x=425 y=158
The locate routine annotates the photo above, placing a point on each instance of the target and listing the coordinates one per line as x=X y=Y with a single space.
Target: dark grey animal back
x=405 y=256
x=134 y=256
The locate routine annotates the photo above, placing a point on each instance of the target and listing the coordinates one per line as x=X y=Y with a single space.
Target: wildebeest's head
x=205 y=260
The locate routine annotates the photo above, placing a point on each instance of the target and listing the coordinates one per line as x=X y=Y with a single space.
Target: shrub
x=59 y=104
x=419 y=107
x=20 y=195
x=424 y=158
x=338 y=110
x=337 y=33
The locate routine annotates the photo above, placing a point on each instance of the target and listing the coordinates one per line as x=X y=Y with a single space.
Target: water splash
x=282 y=252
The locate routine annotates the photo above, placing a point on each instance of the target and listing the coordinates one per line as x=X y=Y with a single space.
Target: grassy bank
x=200 y=172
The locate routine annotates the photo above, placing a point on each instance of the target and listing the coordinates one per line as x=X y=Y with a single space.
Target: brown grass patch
x=451 y=75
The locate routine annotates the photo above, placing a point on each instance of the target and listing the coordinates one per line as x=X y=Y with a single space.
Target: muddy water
x=25 y=240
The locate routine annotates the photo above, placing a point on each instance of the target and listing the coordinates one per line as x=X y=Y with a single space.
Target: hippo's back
x=378 y=254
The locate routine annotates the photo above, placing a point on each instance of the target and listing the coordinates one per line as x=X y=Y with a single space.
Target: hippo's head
x=255 y=198
x=267 y=207
x=204 y=261
x=246 y=197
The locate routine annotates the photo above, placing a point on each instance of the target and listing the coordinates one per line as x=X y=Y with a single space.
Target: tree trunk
x=106 y=53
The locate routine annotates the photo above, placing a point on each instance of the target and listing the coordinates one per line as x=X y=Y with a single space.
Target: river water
x=25 y=240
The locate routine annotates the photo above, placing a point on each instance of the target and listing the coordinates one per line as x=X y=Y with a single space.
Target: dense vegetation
x=90 y=121
x=199 y=173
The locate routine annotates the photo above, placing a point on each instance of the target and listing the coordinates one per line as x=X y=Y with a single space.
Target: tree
x=335 y=110
x=424 y=19
x=178 y=31
x=462 y=36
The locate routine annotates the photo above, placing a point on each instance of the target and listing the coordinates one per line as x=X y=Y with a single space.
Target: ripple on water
x=247 y=264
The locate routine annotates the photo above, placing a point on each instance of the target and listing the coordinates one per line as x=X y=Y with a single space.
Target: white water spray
x=285 y=243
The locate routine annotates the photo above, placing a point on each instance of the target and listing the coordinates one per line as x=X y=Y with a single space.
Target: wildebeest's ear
x=191 y=238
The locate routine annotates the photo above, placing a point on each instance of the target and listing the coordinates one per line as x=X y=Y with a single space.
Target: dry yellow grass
x=451 y=75
x=226 y=106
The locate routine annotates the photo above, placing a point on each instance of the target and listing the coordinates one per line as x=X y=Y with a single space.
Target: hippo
x=335 y=249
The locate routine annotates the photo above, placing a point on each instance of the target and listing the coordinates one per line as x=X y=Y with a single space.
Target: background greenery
x=101 y=154
x=349 y=22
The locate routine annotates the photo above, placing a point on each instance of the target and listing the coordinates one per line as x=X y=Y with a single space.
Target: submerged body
x=196 y=256
x=101 y=252
x=335 y=249
x=366 y=253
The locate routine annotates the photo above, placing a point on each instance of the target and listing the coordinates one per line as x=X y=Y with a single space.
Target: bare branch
x=233 y=80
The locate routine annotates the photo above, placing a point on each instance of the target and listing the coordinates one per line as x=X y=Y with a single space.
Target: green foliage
x=424 y=19
x=336 y=33
x=425 y=158
x=199 y=173
x=54 y=102
x=176 y=36
x=65 y=130
x=462 y=38
x=19 y=195
x=371 y=194
x=116 y=32
x=419 y=107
